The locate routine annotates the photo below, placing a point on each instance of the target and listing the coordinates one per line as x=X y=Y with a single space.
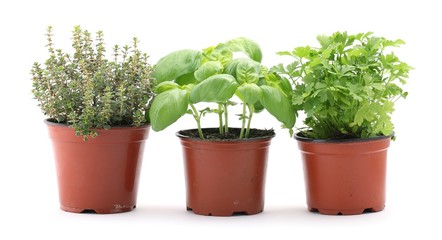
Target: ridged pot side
x=225 y=178
x=101 y=174
x=347 y=177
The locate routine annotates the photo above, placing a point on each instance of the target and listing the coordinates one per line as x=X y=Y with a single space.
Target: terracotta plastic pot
x=101 y=174
x=345 y=177
x=225 y=178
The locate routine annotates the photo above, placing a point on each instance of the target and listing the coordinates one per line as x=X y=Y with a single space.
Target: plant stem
x=226 y=119
x=241 y=135
x=251 y=110
x=198 y=120
x=220 y=117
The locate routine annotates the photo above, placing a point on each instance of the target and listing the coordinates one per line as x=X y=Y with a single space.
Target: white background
x=29 y=197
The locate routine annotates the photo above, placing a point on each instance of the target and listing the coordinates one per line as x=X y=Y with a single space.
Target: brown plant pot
x=101 y=174
x=225 y=177
x=345 y=177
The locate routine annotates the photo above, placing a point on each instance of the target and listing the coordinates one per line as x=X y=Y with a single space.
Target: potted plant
x=347 y=88
x=225 y=166
x=95 y=108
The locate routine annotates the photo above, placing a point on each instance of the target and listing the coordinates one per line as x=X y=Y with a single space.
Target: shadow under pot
x=225 y=177
x=344 y=177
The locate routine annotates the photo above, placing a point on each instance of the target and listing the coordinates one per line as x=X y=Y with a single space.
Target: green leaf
x=165 y=86
x=298 y=100
x=208 y=69
x=285 y=86
x=327 y=52
x=362 y=36
x=167 y=107
x=324 y=40
x=292 y=67
x=258 y=107
x=356 y=52
x=220 y=53
x=279 y=82
x=316 y=61
x=232 y=66
x=248 y=71
x=302 y=52
x=247 y=46
x=320 y=85
x=396 y=43
x=249 y=93
x=285 y=53
x=217 y=88
x=186 y=79
x=378 y=86
x=176 y=64
x=278 y=105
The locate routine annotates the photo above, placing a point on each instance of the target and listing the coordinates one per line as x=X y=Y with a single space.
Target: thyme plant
x=88 y=91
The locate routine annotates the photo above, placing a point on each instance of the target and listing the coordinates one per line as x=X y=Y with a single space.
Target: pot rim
x=182 y=136
x=344 y=140
x=53 y=122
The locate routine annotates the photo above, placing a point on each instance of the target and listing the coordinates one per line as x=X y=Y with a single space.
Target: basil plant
x=217 y=74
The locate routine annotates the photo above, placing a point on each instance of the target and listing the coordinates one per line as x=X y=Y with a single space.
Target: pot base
x=225 y=213
x=116 y=209
x=347 y=211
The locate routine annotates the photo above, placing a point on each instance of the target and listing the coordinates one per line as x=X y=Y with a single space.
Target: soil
x=304 y=136
x=233 y=134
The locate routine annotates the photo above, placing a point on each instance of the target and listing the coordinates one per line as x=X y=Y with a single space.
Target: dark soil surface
x=213 y=133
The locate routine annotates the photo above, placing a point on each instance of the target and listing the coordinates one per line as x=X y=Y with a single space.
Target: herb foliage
x=347 y=87
x=185 y=78
x=88 y=91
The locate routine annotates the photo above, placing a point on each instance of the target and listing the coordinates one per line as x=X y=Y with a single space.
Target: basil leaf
x=165 y=86
x=247 y=46
x=279 y=105
x=176 y=64
x=248 y=71
x=208 y=69
x=167 y=107
x=249 y=93
x=217 y=88
x=186 y=79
